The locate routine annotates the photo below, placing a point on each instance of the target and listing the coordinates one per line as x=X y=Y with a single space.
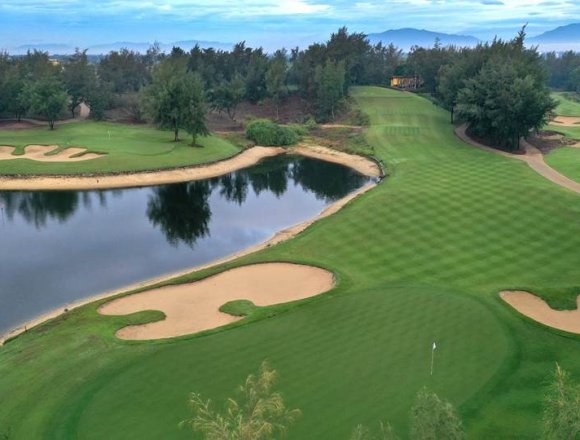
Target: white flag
x=434 y=345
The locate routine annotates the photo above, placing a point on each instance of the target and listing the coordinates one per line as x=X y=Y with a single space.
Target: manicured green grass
x=567 y=161
x=568 y=103
x=127 y=148
x=419 y=259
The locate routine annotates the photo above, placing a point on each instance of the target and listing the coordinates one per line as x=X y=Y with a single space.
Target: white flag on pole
x=434 y=345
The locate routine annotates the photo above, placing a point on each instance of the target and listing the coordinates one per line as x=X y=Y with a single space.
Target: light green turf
x=567 y=161
x=568 y=103
x=128 y=148
x=419 y=259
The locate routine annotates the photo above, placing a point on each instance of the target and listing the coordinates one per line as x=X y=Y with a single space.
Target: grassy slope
x=566 y=106
x=130 y=148
x=419 y=258
x=566 y=160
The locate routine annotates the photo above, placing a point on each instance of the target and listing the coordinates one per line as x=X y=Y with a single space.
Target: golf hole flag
x=433 y=356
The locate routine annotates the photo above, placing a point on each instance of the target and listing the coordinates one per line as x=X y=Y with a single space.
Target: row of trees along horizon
x=499 y=88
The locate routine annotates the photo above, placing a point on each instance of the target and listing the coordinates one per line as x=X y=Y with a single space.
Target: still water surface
x=60 y=247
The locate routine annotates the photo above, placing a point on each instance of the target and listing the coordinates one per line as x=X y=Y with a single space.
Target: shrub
x=267 y=133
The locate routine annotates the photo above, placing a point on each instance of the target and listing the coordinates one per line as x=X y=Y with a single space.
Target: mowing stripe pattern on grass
x=420 y=258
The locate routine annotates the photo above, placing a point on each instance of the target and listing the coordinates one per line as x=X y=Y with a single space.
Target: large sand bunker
x=194 y=307
x=537 y=309
x=40 y=153
x=567 y=121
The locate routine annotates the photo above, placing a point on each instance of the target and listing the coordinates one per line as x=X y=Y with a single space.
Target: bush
x=267 y=133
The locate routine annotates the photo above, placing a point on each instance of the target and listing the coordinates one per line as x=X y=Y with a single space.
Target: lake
x=57 y=247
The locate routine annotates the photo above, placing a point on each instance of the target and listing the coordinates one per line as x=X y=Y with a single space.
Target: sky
x=266 y=23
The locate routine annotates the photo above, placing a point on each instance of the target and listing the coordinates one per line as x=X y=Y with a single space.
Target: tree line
x=154 y=85
x=499 y=88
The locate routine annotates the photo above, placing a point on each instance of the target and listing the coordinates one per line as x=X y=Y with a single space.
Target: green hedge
x=267 y=133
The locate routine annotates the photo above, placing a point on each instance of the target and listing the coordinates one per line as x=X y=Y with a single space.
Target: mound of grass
x=420 y=258
x=267 y=133
x=567 y=161
x=127 y=148
x=239 y=307
x=568 y=103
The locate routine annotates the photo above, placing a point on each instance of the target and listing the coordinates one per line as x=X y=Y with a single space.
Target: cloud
x=268 y=22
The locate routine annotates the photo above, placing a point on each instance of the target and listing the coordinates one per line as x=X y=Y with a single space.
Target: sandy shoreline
x=279 y=237
x=242 y=160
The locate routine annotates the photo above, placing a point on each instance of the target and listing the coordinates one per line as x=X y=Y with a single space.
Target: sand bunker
x=567 y=121
x=537 y=309
x=194 y=307
x=40 y=153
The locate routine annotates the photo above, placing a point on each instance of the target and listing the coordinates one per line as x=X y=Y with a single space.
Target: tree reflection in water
x=182 y=211
x=39 y=207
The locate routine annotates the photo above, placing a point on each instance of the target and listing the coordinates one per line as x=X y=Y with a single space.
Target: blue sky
x=268 y=23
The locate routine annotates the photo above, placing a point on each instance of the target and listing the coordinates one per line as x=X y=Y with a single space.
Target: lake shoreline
x=277 y=238
x=244 y=159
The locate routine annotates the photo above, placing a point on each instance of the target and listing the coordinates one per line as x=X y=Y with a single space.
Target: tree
x=502 y=106
x=259 y=413
x=15 y=96
x=561 y=419
x=256 y=76
x=329 y=81
x=125 y=70
x=434 y=419
x=194 y=118
x=79 y=79
x=276 y=80
x=575 y=80
x=227 y=95
x=48 y=99
x=174 y=99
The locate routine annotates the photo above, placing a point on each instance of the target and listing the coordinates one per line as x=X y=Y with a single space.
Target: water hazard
x=60 y=247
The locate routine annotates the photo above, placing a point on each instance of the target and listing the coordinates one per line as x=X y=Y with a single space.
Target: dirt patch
x=537 y=309
x=567 y=121
x=13 y=124
x=532 y=156
x=192 y=308
x=40 y=153
x=547 y=141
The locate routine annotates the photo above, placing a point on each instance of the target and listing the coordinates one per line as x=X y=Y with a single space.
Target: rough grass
x=568 y=103
x=127 y=148
x=420 y=258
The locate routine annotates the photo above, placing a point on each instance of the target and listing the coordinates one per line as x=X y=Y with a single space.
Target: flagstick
x=433 y=356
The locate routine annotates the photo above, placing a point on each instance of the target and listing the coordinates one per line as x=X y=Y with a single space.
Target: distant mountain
x=52 y=48
x=408 y=37
x=99 y=49
x=561 y=38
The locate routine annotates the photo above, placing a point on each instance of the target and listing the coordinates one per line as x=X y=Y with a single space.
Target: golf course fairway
x=421 y=258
